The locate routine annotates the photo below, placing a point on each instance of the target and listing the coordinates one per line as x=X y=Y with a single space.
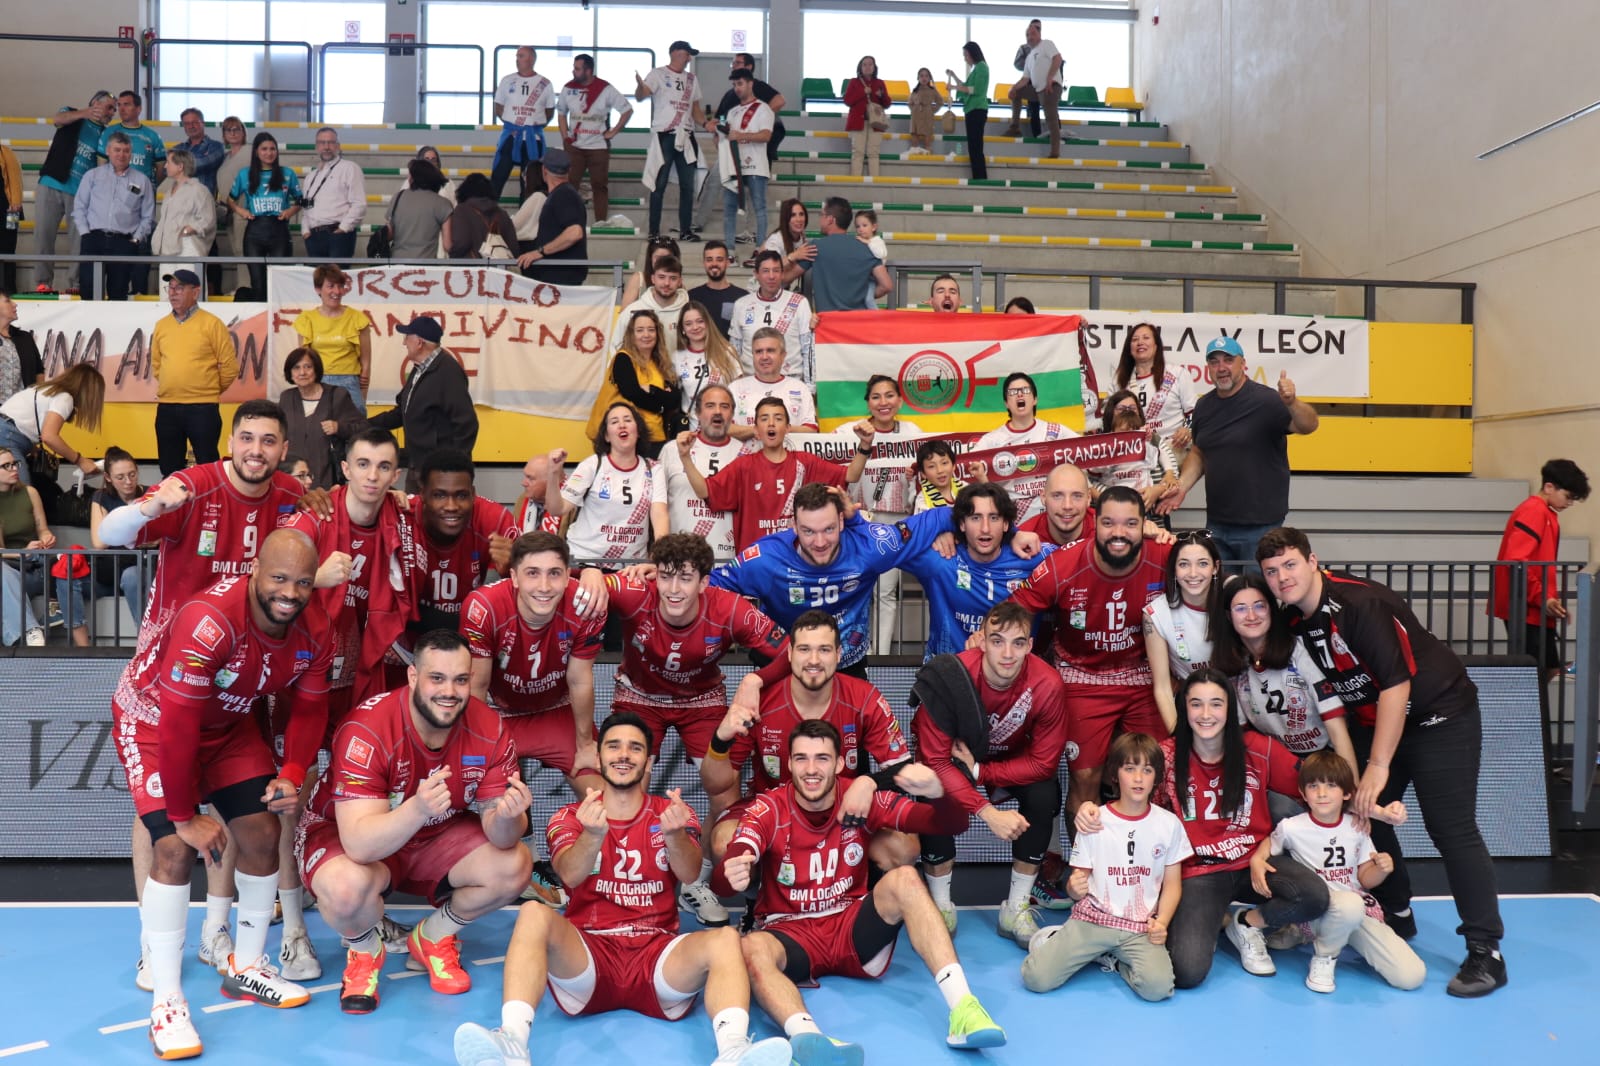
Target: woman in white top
x=1167 y=396
x=789 y=239
x=1281 y=690
x=1178 y=624
x=431 y=154
x=885 y=491
x=187 y=221
x=1151 y=476
x=620 y=496
x=706 y=357
x=37 y=413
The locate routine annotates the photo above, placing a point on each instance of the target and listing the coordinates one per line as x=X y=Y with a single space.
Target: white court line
x=316 y=989
x=21 y=1049
x=107 y=1030
x=403 y=974
x=488 y=962
x=233 y=1004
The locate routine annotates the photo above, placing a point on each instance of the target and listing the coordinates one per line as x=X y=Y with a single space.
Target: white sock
x=442 y=923
x=294 y=917
x=163 y=913
x=217 y=910
x=705 y=870
x=1021 y=889
x=516 y=1020
x=256 y=895
x=368 y=943
x=796 y=1024
x=731 y=1027
x=952 y=982
x=939 y=889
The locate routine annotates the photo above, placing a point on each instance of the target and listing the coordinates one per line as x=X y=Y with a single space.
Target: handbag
x=43 y=464
x=380 y=245
x=948 y=120
x=877 y=118
x=494 y=246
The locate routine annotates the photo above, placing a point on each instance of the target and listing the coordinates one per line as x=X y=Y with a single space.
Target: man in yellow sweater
x=193 y=360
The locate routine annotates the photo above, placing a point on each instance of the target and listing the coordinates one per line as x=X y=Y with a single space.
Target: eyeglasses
x=12 y=465
x=1023 y=391
x=1243 y=609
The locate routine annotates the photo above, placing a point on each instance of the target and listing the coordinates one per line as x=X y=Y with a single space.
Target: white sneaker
x=951 y=158
x=1252 y=947
x=773 y=1051
x=704 y=904
x=1320 y=979
x=617 y=218
x=1018 y=924
x=259 y=983
x=172 y=1034
x=478 y=1046
x=949 y=916
x=216 y=946
x=143 y=979
x=34 y=638
x=297 y=959
x=396 y=937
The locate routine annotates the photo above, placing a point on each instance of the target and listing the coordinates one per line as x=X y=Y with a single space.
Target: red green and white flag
x=950 y=366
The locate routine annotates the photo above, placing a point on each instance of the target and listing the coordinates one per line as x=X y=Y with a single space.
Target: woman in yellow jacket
x=642 y=374
x=11 y=207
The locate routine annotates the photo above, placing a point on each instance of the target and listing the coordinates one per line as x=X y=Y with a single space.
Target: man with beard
x=624 y=853
x=718 y=294
x=392 y=813
x=818 y=916
x=710 y=449
x=583 y=111
x=186 y=734
x=945 y=294
x=1098 y=589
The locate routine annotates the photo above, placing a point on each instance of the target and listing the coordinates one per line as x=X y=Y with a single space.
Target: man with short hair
x=583 y=110
x=674 y=118
x=767 y=95
x=844 y=267
x=772 y=306
x=115 y=210
x=769 y=356
x=759 y=488
x=529 y=512
x=562 y=233
x=207 y=151
x=817 y=914
x=1241 y=433
x=1040 y=81
x=665 y=296
x=523 y=101
x=944 y=295
x=148 y=150
x=193 y=361
x=393 y=813
x=186 y=734
x=335 y=201
x=746 y=131
x=1022 y=426
x=434 y=409
x=618 y=946
x=1067 y=515
x=73 y=151
x=711 y=448
x=1533 y=534
x=1417 y=722
x=719 y=295
x=1024 y=713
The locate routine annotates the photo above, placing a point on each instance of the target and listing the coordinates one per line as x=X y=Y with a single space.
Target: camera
x=307 y=202
x=722 y=127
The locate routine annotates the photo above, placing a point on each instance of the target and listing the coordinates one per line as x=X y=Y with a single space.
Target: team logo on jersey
x=177 y=672
x=661 y=859
x=1078 y=619
x=208 y=543
x=850 y=758
x=226 y=677
x=1116 y=595
x=752 y=552
x=359 y=752
x=772 y=765
x=853 y=854
x=1158 y=852
x=477 y=614
x=797 y=596
x=963 y=579
x=786 y=873
x=153 y=787
x=208 y=633
x=1072 y=752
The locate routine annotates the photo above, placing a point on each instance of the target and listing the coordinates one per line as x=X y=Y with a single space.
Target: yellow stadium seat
x=1116 y=97
x=1002 y=92
x=899 y=91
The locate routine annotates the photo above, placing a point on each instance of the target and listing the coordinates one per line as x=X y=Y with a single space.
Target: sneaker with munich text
x=358 y=989
x=440 y=960
x=259 y=983
x=172 y=1033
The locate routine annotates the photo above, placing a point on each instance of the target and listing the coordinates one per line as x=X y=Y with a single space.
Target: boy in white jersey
x=1125 y=883
x=1329 y=841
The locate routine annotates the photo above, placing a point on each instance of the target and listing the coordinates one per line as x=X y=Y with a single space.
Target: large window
x=352 y=82
x=214 y=78
x=835 y=41
x=1093 y=51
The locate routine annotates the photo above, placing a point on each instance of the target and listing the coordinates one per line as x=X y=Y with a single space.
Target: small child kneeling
x=1125 y=880
x=1326 y=840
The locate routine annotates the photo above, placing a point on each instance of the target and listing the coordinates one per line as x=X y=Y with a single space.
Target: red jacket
x=1532 y=534
x=856 y=95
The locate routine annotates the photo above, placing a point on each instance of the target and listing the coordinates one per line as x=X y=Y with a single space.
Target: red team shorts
x=226 y=757
x=339 y=707
x=829 y=941
x=626 y=975
x=551 y=737
x=1096 y=713
x=420 y=867
x=695 y=725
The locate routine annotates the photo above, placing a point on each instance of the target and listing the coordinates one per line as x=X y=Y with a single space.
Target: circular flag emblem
x=930 y=381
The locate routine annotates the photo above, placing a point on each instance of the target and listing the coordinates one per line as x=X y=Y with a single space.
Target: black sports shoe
x=1403 y=925
x=1482 y=973
x=690 y=237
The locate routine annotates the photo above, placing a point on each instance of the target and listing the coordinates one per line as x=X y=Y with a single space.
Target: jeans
x=975 y=125
x=119 y=277
x=266 y=237
x=1442 y=762
x=755 y=187
x=350 y=383
x=518 y=148
x=16 y=612
x=12 y=439
x=330 y=245
x=673 y=159
x=1298 y=895
x=1238 y=543
x=181 y=426
x=50 y=206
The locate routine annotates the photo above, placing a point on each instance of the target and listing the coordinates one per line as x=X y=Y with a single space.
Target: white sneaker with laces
x=34 y=637
x=704 y=904
x=216 y=946
x=297 y=959
x=1320 y=979
x=1018 y=924
x=478 y=1046
x=1253 y=954
x=259 y=983
x=396 y=937
x=774 y=1051
x=172 y=1033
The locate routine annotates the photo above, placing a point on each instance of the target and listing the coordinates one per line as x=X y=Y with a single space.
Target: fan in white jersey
x=1282 y=692
x=1151 y=474
x=712 y=450
x=1166 y=395
x=1021 y=425
x=773 y=307
x=1177 y=627
x=769 y=380
x=704 y=357
x=1126 y=881
x=620 y=496
x=523 y=100
x=1327 y=840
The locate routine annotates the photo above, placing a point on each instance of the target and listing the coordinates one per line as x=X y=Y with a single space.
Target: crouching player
x=622 y=853
x=392 y=813
x=815 y=912
x=1327 y=839
x=1126 y=880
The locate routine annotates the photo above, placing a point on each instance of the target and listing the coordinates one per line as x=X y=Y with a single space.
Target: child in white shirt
x=867 y=234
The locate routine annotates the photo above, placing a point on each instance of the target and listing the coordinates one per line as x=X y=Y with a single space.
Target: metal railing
x=67 y=38
x=570 y=49
x=394 y=49
x=49 y=601
x=266 y=92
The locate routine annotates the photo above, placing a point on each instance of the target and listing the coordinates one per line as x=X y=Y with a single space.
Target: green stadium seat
x=815 y=89
x=1082 y=96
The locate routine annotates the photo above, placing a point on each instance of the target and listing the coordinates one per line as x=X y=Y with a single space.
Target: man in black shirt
x=718 y=293
x=711 y=190
x=1416 y=722
x=562 y=234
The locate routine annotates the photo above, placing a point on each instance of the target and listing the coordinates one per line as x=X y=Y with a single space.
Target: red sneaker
x=440 y=960
x=358 y=994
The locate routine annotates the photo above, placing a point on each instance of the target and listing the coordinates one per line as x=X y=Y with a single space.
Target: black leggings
x=268 y=236
x=975 y=124
x=1038 y=802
